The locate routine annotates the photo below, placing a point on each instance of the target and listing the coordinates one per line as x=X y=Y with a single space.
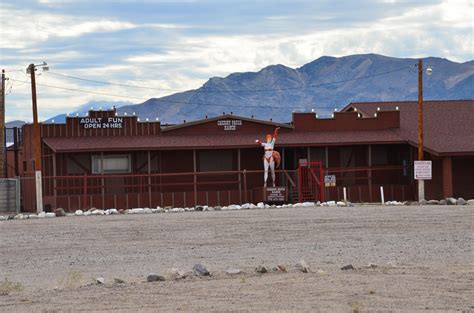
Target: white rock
x=302 y=266
x=98 y=212
x=147 y=211
x=232 y=207
x=260 y=205
x=308 y=204
x=3 y=218
x=372 y=265
x=246 y=206
x=175 y=210
x=79 y=213
x=20 y=217
x=224 y=208
x=32 y=216
x=267 y=206
x=136 y=211
x=42 y=214
x=50 y=214
x=100 y=280
x=233 y=271
x=341 y=203
x=177 y=273
x=470 y=202
x=253 y=206
x=331 y=203
x=113 y=211
x=451 y=201
x=87 y=213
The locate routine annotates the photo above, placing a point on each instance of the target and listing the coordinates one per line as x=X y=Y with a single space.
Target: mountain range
x=324 y=84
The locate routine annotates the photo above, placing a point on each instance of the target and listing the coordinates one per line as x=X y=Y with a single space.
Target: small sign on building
x=276 y=194
x=423 y=169
x=303 y=162
x=330 y=180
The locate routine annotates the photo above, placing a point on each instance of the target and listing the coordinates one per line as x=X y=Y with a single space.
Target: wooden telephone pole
x=2 y=129
x=37 y=142
x=36 y=130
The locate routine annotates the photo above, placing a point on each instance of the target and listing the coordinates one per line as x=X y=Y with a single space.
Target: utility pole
x=37 y=142
x=421 y=182
x=36 y=130
x=3 y=172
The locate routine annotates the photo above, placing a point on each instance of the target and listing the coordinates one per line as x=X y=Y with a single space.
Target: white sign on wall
x=423 y=169
x=229 y=124
x=99 y=122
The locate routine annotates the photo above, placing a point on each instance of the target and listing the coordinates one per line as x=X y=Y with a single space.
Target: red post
x=300 y=184
x=85 y=191
x=240 y=187
x=321 y=181
x=245 y=185
x=195 y=189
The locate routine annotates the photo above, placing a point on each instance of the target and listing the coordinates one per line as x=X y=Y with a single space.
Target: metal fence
x=9 y=195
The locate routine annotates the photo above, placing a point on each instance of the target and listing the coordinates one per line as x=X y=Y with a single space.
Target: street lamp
x=421 y=182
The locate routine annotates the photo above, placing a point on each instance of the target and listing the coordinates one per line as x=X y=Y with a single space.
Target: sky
x=168 y=46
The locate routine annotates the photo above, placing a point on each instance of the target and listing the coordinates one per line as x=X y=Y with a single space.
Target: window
x=111 y=164
x=216 y=160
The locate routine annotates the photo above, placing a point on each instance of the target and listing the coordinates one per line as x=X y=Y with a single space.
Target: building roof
x=168 y=142
x=448 y=130
x=448 y=125
x=224 y=116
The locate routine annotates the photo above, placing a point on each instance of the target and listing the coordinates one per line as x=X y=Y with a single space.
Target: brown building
x=104 y=160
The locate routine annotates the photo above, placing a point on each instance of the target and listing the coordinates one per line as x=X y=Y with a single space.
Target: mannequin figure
x=270 y=156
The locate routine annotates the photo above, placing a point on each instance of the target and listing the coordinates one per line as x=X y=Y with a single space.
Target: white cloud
x=23 y=28
x=185 y=61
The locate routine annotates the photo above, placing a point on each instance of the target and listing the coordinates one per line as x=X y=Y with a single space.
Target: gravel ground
x=424 y=257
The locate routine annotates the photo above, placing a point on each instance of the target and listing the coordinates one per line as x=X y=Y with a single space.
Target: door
x=310 y=181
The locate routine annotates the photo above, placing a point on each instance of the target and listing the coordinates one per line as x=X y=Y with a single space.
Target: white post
x=39 y=192
x=345 y=193
x=381 y=195
x=421 y=190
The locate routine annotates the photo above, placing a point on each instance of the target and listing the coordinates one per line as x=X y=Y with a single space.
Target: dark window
x=216 y=160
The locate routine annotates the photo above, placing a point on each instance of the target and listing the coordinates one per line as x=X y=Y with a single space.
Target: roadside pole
x=37 y=142
x=421 y=182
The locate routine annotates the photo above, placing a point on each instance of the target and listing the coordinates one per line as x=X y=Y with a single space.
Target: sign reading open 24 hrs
x=100 y=122
x=229 y=124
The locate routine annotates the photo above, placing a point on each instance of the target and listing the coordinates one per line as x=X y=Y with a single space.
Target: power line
x=160 y=100
x=200 y=90
x=113 y=84
x=211 y=91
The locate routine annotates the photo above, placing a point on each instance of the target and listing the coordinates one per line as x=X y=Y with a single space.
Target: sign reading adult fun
x=100 y=122
x=423 y=170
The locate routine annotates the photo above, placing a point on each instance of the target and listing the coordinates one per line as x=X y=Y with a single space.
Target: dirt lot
x=425 y=261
